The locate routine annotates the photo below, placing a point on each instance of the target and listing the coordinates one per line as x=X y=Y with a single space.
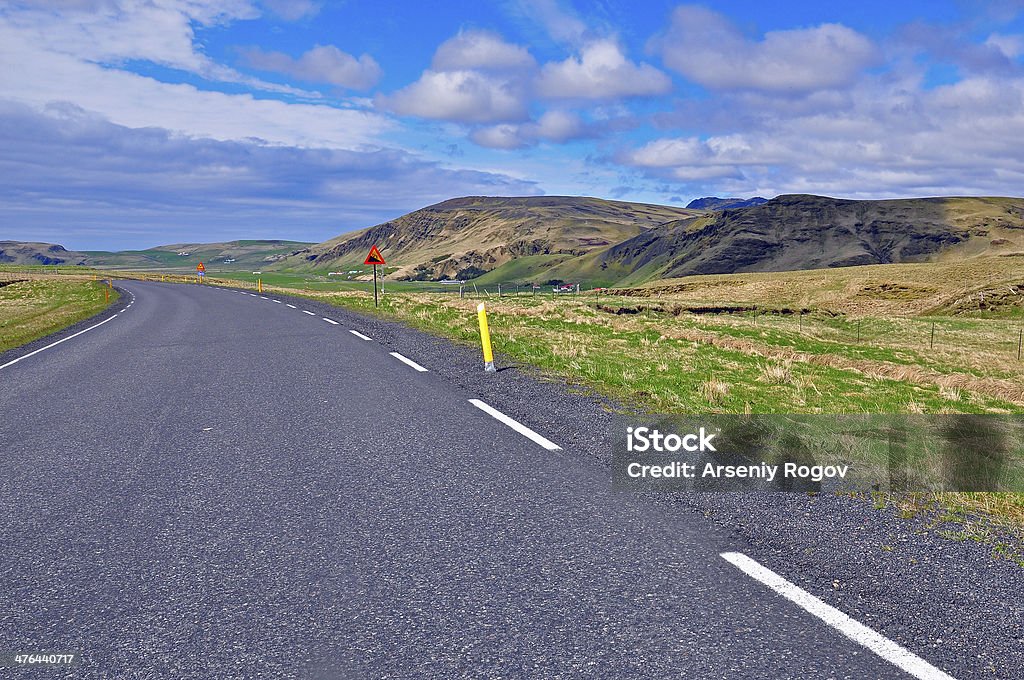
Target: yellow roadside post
x=485 y=338
x=259 y=283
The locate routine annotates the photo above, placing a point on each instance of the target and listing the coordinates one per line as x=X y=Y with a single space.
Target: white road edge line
x=330 y=321
x=360 y=335
x=408 y=361
x=856 y=631
x=306 y=311
x=293 y=306
x=515 y=425
x=59 y=341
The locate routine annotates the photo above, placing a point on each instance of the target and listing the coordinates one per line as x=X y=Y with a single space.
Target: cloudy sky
x=131 y=123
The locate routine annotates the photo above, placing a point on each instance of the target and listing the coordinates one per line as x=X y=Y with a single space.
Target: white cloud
x=669 y=152
x=461 y=96
x=503 y=136
x=475 y=77
x=321 y=64
x=137 y=101
x=561 y=24
x=112 y=32
x=707 y=48
x=73 y=55
x=956 y=45
x=293 y=10
x=600 y=71
x=553 y=126
x=889 y=138
x=480 y=50
x=116 y=31
x=558 y=126
x=1011 y=46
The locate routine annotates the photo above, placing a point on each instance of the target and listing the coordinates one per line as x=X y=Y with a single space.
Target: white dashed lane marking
x=856 y=631
x=330 y=321
x=408 y=362
x=515 y=425
x=306 y=311
x=359 y=335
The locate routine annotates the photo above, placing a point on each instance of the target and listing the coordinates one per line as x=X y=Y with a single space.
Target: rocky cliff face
x=808 y=232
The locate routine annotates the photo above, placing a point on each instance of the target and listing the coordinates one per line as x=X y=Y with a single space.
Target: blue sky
x=130 y=123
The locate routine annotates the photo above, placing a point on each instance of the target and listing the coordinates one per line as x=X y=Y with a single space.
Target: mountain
x=794 y=232
x=504 y=238
x=715 y=203
x=20 y=252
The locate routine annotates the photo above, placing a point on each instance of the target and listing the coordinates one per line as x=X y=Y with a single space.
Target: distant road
x=219 y=484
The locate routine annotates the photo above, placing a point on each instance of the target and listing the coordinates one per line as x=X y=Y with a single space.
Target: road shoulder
x=58 y=335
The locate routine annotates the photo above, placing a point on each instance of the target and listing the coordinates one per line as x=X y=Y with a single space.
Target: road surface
x=214 y=483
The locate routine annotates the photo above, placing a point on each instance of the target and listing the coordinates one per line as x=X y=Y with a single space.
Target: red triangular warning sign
x=374 y=257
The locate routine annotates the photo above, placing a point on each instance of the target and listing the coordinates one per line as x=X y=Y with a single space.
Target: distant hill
x=21 y=252
x=226 y=256
x=243 y=254
x=794 y=232
x=505 y=238
x=715 y=203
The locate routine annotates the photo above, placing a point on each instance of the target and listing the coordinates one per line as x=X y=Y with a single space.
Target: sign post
x=374 y=258
x=201 y=271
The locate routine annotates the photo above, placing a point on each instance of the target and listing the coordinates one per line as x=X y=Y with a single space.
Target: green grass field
x=35 y=308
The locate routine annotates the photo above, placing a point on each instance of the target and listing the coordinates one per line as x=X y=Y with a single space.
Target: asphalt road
x=215 y=484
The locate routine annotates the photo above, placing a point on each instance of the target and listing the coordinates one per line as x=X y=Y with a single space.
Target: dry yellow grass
x=714 y=391
x=778 y=372
x=876 y=290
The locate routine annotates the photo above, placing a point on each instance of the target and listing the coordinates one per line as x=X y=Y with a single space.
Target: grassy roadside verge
x=35 y=308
